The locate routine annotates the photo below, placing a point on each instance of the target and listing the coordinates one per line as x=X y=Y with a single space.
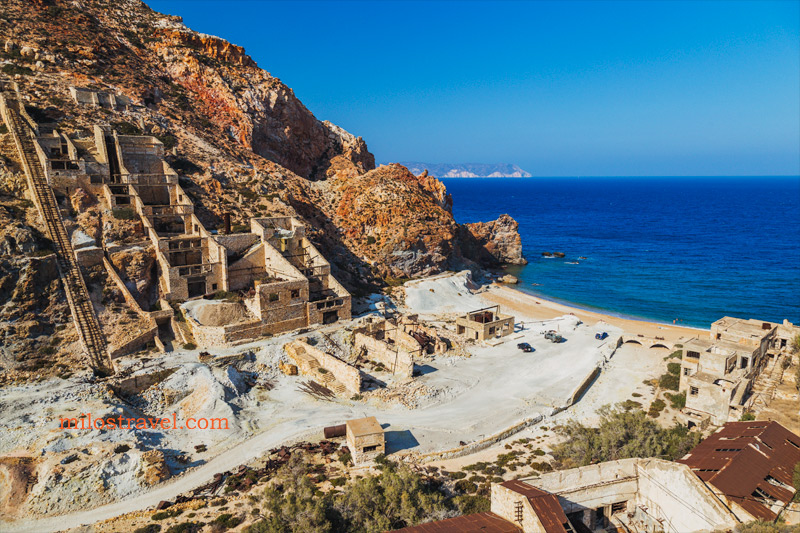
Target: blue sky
x=559 y=88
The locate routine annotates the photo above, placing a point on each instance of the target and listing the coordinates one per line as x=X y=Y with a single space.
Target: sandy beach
x=539 y=308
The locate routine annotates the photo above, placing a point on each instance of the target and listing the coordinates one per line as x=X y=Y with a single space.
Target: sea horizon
x=654 y=251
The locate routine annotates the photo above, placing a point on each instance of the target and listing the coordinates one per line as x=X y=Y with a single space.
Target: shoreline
x=599 y=311
x=538 y=308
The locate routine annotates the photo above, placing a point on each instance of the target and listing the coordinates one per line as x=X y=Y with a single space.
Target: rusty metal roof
x=544 y=504
x=745 y=457
x=471 y=523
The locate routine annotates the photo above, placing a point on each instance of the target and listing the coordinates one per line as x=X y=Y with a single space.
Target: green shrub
x=674 y=369
x=169 y=513
x=620 y=435
x=747 y=416
x=458 y=475
x=541 y=466
x=227 y=520
x=339 y=481
x=465 y=486
x=669 y=381
x=656 y=407
x=471 y=504
x=186 y=527
x=677 y=401
x=149 y=528
x=677 y=354
x=630 y=405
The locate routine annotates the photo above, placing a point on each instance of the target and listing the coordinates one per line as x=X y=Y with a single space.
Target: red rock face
x=393 y=218
x=499 y=239
x=253 y=148
x=209 y=46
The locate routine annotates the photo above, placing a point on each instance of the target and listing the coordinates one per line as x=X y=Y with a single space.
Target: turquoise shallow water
x=685 y=249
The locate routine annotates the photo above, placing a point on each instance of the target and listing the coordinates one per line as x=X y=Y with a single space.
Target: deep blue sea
x=685 y=249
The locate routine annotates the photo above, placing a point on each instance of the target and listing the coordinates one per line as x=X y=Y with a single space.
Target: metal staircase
x=80 y=304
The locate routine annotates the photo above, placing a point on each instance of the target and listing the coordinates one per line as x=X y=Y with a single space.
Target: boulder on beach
x=509 y=279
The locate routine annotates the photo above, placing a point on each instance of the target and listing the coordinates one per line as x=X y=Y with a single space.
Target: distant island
x=468 y=170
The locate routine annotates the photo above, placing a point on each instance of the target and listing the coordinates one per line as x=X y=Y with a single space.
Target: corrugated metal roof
x=544 y=504
x=744 y=456
x=471 y=523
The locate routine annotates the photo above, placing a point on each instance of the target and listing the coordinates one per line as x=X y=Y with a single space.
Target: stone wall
x=242 y=273
x=503 y=504
x=663 y=487
x=346 y=374
x=396 y=359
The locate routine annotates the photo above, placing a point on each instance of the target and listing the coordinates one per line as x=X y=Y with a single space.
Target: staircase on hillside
x=80 y=304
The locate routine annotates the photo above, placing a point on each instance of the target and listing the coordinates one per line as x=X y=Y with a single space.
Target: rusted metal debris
x=320 y=392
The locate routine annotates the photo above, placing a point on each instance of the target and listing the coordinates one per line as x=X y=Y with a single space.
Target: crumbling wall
x=346 y=374
x=242 y=273
x=398 y=360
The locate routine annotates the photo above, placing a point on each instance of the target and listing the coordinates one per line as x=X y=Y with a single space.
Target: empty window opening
x=618 y=507
x=694 y=391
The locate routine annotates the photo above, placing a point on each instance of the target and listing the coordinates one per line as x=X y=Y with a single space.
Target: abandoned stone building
x=397 y=342
x=739 y=474
x=625 y=495
x=484 y=324
x=717 y=373
x=105 y=99
x=365 y=439
x=283 y=281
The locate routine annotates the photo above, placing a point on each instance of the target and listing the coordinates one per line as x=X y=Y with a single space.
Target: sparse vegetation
x=747 y=416
x=677 y=401
x=621 y=434
x=395 y=498
x=671 y=380
x=656 y=407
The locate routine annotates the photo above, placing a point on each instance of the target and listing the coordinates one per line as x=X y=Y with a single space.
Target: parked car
x=553 y=336
x=525 y=347
x=600 y=336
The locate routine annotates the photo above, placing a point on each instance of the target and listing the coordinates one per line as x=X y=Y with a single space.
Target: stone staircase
x=80 y=304
x=309 y=366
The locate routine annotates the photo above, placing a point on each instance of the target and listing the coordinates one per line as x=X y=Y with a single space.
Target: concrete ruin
x=396 y=343
x=104 y=99
x=484 y=324
x=337 y=375
x=625 y=495
x=629 y=495
x=365 y=439
x=717 y=373
x=281 y=282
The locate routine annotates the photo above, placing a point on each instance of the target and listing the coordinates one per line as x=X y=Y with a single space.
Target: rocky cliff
x=243 y=143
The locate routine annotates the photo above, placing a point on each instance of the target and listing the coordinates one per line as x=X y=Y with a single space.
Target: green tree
x=621 y=434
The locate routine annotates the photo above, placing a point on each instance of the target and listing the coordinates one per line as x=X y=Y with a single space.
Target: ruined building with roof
x=739 y=474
